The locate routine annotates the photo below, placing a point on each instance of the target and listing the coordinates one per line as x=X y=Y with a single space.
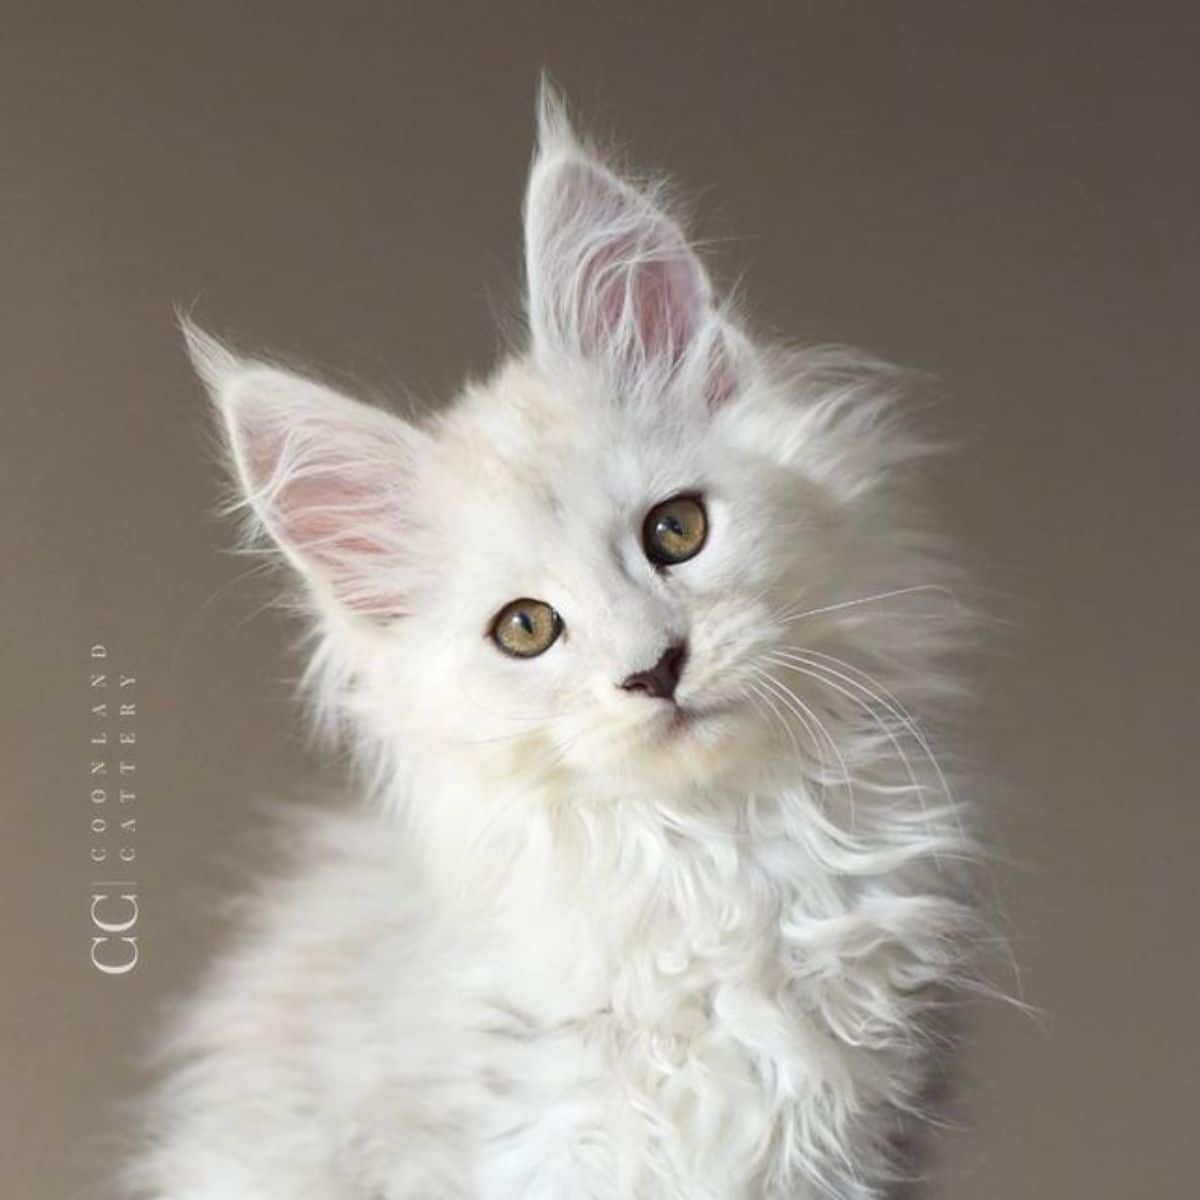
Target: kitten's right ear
x=611 y=277
x=329 y=479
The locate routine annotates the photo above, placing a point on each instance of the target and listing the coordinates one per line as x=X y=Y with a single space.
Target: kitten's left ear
x=611 y=276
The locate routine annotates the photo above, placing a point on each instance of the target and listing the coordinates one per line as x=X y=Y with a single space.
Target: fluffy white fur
x=589 y=944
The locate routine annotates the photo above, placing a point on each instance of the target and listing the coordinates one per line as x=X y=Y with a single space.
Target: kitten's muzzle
x=661 y=680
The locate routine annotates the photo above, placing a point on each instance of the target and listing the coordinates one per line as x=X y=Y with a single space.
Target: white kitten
x=664 y=895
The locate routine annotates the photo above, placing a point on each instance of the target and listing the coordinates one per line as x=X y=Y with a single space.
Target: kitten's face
x=577 y=511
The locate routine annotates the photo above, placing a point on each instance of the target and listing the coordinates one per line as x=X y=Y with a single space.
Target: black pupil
x=672 y=525
x=525 y=621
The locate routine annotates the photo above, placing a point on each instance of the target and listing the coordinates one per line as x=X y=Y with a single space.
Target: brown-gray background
x=1004 y=195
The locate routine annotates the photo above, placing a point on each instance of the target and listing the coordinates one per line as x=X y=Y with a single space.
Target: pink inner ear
x=338 y=519
x=639 y=298
x=348 y=533
x=318 y=518
x=611 y=275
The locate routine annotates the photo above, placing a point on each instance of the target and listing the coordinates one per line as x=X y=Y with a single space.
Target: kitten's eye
x=526 y=628
x=674 y=530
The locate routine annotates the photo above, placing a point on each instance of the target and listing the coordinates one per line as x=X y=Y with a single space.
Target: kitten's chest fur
x=710 y=1007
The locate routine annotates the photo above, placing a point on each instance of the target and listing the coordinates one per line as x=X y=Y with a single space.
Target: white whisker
x=879 y=596
x=891 y=703
x=770 y=701
x=915 y=785
x=805 y=714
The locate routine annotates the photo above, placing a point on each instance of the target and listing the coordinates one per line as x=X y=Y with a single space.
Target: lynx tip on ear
x=554 y=130
x=213 y=362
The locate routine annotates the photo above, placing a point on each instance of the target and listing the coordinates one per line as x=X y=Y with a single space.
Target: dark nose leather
x=662 y=678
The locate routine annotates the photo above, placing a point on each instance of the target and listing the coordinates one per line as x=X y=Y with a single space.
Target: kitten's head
x=592 y=564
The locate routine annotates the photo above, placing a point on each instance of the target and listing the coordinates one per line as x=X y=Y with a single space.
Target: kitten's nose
x=662 y=678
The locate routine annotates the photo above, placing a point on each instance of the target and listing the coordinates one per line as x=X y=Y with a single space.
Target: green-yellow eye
x=674 y=530
x=526 y=628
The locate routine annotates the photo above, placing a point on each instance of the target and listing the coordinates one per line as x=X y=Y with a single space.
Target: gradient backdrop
x=1004 y=195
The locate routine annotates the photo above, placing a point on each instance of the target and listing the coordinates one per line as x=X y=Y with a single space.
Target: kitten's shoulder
x=341 y=911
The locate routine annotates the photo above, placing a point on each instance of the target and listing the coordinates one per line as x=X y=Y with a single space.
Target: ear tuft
x=212 y=361
x=554 y=132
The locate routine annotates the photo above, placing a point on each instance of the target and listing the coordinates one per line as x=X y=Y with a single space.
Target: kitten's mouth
x=681 y=718
x=689 y=742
